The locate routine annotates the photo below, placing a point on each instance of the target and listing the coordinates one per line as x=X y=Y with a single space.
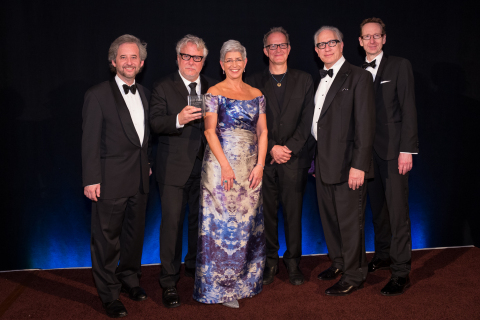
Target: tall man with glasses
x=179 y=160
x=343 y=126
x=289 y=94
x=395 y=141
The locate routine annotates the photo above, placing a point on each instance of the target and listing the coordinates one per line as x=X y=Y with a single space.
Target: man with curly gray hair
x=116 y=168
x=179 y=160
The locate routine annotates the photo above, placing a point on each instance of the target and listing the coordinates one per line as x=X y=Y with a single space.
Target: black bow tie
x=372 y=64
x=132 y=88
x=324 y=73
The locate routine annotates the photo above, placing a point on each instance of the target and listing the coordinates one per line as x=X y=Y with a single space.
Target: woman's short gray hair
x=333 y=29
x=196 y=41
x=232 y=46
x=126 y=38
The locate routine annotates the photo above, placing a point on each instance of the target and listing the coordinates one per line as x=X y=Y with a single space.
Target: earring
x=244 y=70
x=223 y=71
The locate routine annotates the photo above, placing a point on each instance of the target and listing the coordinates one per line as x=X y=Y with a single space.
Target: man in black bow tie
x=395 y=141
x=116 y=169
x=343 y=127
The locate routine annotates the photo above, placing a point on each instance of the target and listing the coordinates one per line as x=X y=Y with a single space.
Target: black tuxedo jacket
x=346 y=126
x=111 y=151
x=177 y=148
x=396 y=123
x=289 y=124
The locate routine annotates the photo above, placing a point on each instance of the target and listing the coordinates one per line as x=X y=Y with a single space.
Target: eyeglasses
x=187 y=57
x=230 y=61
x=331 y=43
x=375 y=36
x=274 y=46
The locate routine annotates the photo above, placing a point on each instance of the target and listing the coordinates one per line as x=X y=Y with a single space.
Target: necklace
x=279 y=83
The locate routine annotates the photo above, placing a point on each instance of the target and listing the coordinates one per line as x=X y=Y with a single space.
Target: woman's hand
x=227 y=177
x=256 y=176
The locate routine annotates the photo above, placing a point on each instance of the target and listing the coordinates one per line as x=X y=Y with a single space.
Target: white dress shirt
x=198 y=90
x=377 y=59
x=321 y=94
x=135 y=106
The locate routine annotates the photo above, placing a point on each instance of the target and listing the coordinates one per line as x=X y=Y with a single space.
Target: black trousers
x=118 y=227
x=174 y=203
x=388 y=193
x=285 y=186
x=342 y=212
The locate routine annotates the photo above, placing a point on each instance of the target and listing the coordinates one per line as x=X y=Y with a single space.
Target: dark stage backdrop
x=53 y=51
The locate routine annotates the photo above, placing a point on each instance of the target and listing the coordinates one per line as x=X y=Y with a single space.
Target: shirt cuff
x=409 y=152
x=178 y=125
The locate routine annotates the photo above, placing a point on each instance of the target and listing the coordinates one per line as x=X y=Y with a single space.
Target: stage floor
x=445 y=285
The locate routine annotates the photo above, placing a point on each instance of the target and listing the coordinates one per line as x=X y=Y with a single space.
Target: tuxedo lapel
x=124 y=114
x=145 y=114
x=180 y=86
x=268 y=91
x=336 y=85
x=381 y=68
x=291 y=83
x=203 y=85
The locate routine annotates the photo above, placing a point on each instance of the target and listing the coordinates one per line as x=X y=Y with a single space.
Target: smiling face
x=233 y=65
x=189 y=68
x=329 y=55
x=373 y=46
x=278 y=56
x=128 y=63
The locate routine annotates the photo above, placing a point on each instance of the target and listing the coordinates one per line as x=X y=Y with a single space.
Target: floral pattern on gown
x=231 y=241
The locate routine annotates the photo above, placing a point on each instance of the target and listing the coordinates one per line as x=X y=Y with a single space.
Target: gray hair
x=333 y=29
x=196 y=41
x=273 y=30
x=232 y=46
x=126 y=38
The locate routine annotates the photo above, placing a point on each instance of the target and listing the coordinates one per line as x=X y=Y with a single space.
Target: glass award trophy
x=197 y=101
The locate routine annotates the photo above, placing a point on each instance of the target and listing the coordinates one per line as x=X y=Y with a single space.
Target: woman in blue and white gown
x=231 y=242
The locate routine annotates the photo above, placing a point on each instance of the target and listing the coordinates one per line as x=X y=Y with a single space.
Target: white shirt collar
x=378 y=57
x=187 y=82
x=120 y=82
x=336 y=67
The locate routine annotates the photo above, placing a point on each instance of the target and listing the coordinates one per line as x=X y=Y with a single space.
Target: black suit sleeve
x=406 y=97
x=296 y=142
x=91 y=140
x=160 y=121
x=364 y=120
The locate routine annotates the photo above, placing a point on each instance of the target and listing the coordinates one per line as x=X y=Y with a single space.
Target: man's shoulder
x=397 y=61
x=100 y=87
x=169 y=78
x=299 y=73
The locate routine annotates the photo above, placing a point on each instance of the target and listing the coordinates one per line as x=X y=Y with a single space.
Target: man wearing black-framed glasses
x=343 y=127
x=179 y=160
x=289 y=96
x=396 y=139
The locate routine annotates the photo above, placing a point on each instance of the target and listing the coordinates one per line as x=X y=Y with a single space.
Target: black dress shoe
x=379 y=264
x=115 y=309
x=135 y=293
x=295 y=276
x=342 y=288
x=269 y=274
x=189 y=272
x=396 y=286
x=170 y=297
x=329 y=274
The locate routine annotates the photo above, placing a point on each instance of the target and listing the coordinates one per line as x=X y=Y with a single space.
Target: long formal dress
x=231 y=241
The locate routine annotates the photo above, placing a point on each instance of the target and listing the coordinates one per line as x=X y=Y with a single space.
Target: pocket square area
x=385 y=81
